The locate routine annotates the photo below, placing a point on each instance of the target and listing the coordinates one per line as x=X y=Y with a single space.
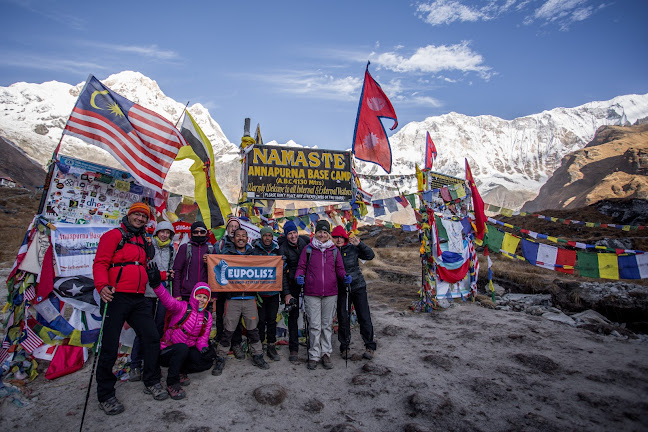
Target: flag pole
x=52 y=161
x=183 y=110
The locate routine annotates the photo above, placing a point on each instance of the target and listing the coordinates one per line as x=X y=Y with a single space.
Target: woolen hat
x=289 y=227
x=339 y=231
x=323 y=225
x=202 y=288
x=265 y=230
x=198 y=224
x=141 y=208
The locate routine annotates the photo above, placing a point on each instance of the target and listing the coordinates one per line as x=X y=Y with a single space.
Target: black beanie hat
x=323 y=225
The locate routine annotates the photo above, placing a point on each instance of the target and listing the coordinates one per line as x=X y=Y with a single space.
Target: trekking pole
x=94 y=364
x=348 y=329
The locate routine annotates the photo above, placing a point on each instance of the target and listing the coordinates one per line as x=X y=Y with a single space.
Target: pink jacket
x=194 y=331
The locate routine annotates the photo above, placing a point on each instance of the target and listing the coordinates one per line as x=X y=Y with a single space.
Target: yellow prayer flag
x=510 y=243
x=608 y=266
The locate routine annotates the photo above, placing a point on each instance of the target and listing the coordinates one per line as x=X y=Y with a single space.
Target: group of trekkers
x=173 y=321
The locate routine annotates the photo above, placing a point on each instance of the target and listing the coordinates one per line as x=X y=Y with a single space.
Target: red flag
x=478 y=204
x=370 y=141
x=141 y=140
x=430 y=152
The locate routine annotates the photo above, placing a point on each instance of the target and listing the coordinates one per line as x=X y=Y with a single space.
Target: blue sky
x=296 y=67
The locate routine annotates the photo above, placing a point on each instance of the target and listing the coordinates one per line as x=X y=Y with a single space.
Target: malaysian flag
x=29 y=340
x=141 y=140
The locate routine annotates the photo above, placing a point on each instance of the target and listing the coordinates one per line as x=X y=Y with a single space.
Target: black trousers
x=359 y=299
x=158 y=311
x=237 y=337
x=136 y=311
x=268 y=318
x=182 y=359
x=293 y=318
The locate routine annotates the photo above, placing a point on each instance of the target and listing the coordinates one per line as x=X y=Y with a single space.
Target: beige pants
x=234 y=310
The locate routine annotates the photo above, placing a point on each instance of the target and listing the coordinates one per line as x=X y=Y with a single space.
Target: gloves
x=153 y=275
x=300 y=280
x=347 y=279
x=208 y=353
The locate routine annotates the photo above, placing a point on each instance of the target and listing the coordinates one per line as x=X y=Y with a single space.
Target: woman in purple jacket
x=190 y=265
x=184 y=347
x=320 y=269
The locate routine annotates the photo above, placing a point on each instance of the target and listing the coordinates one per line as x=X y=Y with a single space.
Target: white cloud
x=313 y=83
x=441 y=12
x=560 y=12
x=434 y=59
x=48 y=63
x=151 y=51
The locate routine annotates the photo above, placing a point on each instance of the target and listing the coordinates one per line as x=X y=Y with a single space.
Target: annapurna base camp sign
x=295 y=173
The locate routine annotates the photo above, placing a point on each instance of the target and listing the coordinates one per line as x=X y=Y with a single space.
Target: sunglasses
x=200 y=231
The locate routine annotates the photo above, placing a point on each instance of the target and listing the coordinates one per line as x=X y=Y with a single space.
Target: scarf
x=322 y=246
x=161 y=243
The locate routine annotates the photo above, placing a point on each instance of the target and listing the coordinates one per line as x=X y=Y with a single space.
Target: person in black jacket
x=291 y=245
x=352 y=250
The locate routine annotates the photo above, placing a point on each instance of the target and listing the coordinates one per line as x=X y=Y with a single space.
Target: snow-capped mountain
x=34 y=115
x=510 y=159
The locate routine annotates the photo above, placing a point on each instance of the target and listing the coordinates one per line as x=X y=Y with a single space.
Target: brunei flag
x=213 y=205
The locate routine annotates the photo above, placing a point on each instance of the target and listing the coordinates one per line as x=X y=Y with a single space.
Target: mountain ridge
x=510 y=159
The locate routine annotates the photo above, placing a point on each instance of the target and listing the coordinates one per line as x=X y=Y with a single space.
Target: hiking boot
x=156 y=391
x=219 y=364
x=112 y=406
x=312 y=364
x=238 y=352
x=272 y=352
x=293 y=357
x=184 y=380
x=135 y=374
x=257 y=360
x=326 y=362
x=176 y=391
x=368 y=354
x=346 y=355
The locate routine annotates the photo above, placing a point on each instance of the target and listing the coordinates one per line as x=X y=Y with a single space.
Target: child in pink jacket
x=184 y=346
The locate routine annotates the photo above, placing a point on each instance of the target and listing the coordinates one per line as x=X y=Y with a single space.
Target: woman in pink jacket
x=184 y=346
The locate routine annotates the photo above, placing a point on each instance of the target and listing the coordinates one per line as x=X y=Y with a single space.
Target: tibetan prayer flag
x=142 y=141
x=494 y=239
x=478 y=205
x=430 y=152
x=510 y=243
x=633 y=266
x=213 y=205
x=370 y=142
x=588 y=264
x=608 y=266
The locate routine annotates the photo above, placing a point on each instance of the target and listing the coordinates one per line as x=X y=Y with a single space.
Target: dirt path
x=464 y=368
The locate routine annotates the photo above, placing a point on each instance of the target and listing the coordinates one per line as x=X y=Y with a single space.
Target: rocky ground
x=549 y=354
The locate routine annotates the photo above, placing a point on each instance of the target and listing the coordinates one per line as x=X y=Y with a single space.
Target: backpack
x=179 y=324
x=210 y=250
x=128 y=237
x=309 y=250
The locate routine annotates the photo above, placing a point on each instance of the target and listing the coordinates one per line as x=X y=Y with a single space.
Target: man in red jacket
x=120 y=278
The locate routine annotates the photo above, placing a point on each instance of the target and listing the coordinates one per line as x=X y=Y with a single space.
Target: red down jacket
x=133 y=277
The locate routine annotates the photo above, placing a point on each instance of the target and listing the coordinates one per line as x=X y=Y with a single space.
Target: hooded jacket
x=350 y=256
x=291 y=254
x=187 y=274
x=163 y=255
x=322 y=272
x=194 y=331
